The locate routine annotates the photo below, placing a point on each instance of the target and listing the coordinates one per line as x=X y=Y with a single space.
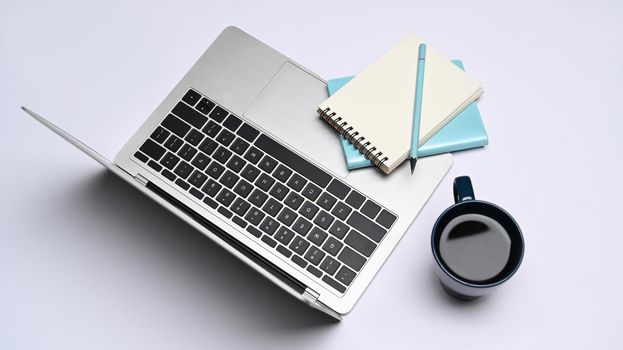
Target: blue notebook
x=463 y=132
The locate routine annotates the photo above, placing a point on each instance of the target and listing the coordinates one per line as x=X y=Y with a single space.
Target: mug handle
x=463 y=190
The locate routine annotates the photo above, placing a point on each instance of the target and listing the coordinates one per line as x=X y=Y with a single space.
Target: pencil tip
x=412 y=161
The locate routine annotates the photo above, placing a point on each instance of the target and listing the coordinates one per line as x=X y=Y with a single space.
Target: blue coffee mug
x=455 y=281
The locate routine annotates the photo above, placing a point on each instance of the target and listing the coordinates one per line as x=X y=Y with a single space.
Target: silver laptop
x=237 y=150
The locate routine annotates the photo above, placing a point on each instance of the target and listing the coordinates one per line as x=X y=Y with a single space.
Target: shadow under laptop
x=220 y=276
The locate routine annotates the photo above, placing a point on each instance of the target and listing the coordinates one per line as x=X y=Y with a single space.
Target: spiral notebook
x=377 y=119
x=463 y=132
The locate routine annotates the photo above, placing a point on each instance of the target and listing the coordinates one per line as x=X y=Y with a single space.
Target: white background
x=88 y=262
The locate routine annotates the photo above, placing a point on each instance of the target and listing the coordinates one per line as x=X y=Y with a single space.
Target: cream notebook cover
x=374 y=111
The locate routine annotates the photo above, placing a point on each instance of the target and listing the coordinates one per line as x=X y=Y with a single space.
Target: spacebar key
x=293 y=160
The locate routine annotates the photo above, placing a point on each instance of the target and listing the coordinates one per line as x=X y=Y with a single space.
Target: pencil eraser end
x=422 y=51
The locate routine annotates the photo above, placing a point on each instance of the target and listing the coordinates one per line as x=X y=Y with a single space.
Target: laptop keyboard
x=314 y=221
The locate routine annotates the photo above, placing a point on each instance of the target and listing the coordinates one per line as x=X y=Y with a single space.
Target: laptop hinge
x=311 y=295
x=140 y=178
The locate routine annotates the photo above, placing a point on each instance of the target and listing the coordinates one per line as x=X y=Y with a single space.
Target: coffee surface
x=475 y=247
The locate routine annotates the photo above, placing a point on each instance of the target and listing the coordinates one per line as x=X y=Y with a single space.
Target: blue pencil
x=417 y=108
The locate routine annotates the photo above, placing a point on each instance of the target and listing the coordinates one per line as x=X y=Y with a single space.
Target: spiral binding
x=353 y=137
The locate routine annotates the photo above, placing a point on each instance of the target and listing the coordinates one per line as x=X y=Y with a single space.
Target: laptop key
x=326 y=201
x=269 y=225
x=183 y=184
x=341 y=210
x=229 y=179
x=294 y=200
x=208 y=146
x=254 y=216
x=243 y=188
x=205 y=106
x=169 y=160
x=173 y=143
x=187 y=152
x=239 y=146
x=329 y=265
x=297 y=182
x=314 y=255
x=332 y=246
x=360 y=243
x=279 y=191
x=267 y=164
x=232 y=122
x=272 y=207
x=282 y=173
x=333 y=283
x=225 y=197
x=345 y=275
x=175 y=125
x=264 y=182
x=154 y=165
x=238 y=221
x=225 y=137
x=284 y=235
x=200 y=161
x=197 y=179
x=140 y=156
x=299 y=245
x=160 y=135
x=299 y=261
x=189 y=115
x=250 y=172
x=215 y=169
x=311 y=192
x=191 y=97
x=258 y=197
x=287 y=216
x=236 y=164
x=222 y=154
x=351 y=258
x=317 y=236
x=284 y=251
x=183 y=170
x=338 y=189
x=366 y=226
x=195 y=192
x=169 y=175
x=370 y=209
x=212 y=129
x=152 y=149
x=194 y=137
x=253 y=155
x=355 y=199
x=226 y=213
x=314 y=271
x=218 y=114
x=308 y=210
x=240 y=206
x=323 y=219
x=338 y=229
x=211 y=188
x=210 y=202
x=247 y=132
x=386 y=219
x=302 y=226
x=252 y=230
x=271 y=242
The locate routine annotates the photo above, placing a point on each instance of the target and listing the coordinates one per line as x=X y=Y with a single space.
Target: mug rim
x=447 y=271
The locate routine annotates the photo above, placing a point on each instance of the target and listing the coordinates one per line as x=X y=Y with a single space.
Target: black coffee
x=475 y=247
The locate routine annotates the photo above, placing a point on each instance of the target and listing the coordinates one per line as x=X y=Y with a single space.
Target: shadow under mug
x=466 y=203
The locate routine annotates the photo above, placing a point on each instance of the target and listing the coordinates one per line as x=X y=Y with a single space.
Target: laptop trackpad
x=286 y=108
